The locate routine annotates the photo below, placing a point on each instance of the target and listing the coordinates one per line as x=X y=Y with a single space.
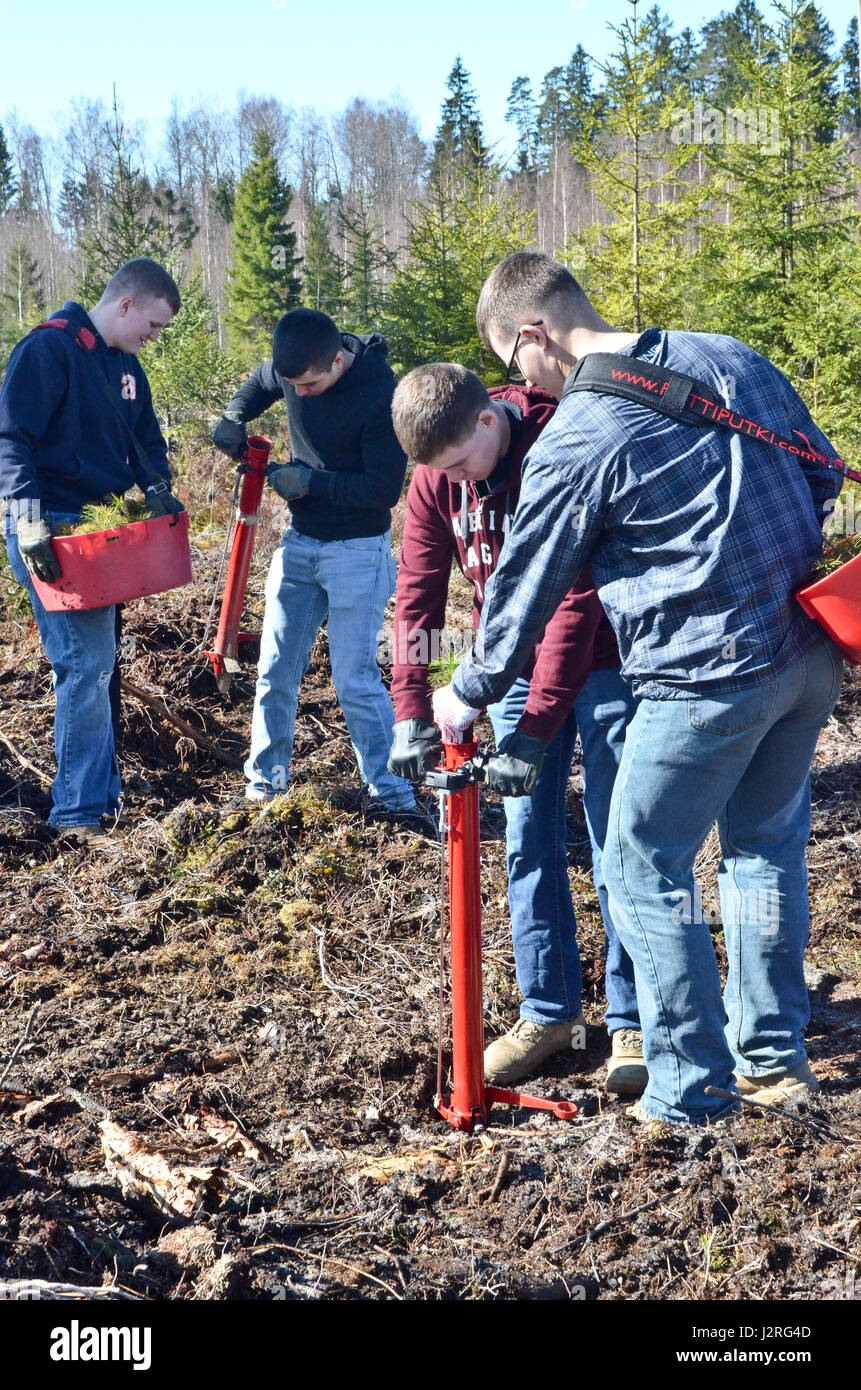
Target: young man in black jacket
x=64 y=443
x=335 y=559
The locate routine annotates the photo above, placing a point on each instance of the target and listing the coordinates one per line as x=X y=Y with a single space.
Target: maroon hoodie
x=468 y=522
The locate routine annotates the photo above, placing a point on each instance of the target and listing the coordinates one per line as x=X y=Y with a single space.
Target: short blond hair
x=435 y=406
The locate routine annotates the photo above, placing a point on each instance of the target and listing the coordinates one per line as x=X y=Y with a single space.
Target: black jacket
x=350 y=427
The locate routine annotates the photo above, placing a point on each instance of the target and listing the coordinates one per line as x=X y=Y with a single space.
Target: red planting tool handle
x=251 y=469
x=470 y=1101
x=467 y=1027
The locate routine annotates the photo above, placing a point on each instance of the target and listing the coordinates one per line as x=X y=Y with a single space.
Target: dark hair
x=520 y=287
x=435 y=406
x=143 y=278
x=304 y=340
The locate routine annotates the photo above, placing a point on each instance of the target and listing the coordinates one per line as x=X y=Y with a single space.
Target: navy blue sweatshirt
x=60 y=439
x=350 y=427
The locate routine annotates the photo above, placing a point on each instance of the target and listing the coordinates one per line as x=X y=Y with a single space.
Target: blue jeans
x=352 y=581
x=543 y=924
x=82 y=649
x=742 y=760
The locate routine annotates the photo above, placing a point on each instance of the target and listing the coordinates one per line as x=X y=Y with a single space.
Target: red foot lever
x=470 y=1101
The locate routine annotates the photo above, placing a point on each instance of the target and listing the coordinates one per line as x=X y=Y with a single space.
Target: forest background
x=700 y=180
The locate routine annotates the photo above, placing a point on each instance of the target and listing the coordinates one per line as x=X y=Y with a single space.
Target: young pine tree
x=123 y=222
x=367 y=261
x=789 y=266
x=190 y=375
x=321 y=274
x=263 y=279
x=456 y=238
x=639 y=262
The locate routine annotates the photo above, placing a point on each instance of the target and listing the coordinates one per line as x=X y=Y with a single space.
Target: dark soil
x=254 y=998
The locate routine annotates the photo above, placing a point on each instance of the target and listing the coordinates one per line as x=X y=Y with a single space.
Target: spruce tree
x=125 y=225
x=8 y=186
x=729 y=44
x=460 y=137
x=366 y=263
x=567 y=108
x=263 y=280
x=190 y=375
x=639 y=263
x=322 y=286
x=457 y=236
x=850 y=63
x=788 y=280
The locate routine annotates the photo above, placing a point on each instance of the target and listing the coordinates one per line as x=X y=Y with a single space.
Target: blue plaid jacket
x=697 y=537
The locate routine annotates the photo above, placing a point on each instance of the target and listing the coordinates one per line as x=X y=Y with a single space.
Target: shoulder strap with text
x=685 y=399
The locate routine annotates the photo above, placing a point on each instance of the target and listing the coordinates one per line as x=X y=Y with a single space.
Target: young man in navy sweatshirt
x=469 y=445
x=335 y=559
x=73 y=395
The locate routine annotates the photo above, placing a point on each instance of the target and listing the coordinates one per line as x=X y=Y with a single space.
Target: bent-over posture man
x=698 y=537
x=469 y=445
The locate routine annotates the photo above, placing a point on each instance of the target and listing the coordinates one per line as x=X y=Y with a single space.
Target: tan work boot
x=626 y=1069
x=524 y=1047
x=777 y=1086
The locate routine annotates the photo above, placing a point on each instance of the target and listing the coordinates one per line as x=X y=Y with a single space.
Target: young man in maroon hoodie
x=469 y=444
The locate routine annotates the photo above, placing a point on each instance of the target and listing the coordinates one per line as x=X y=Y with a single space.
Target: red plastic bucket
x=105 y=567
x=835 y=603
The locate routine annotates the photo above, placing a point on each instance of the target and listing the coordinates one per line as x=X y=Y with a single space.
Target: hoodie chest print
x=479 y=552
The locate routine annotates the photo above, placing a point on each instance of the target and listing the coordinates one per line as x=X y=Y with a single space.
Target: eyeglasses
x=513 y=373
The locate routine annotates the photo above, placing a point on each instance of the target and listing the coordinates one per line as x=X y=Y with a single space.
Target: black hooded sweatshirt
x=350 y=427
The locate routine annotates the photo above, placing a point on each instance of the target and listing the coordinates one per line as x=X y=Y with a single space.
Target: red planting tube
x=467 y=1106
x=471 y=1100
x=223 y=653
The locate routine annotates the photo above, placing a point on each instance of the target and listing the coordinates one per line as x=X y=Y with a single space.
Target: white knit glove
x=451 y=716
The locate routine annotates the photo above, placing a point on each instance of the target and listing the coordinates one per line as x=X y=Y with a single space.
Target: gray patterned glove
x=34 y=544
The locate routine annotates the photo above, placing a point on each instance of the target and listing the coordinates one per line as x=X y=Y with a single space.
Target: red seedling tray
x=105 y=567
x=835 y=603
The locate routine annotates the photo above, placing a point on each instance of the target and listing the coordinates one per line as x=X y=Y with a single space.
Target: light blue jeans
x=82 y=649
x=543 y=924
x=742 y=760
x=351 y=581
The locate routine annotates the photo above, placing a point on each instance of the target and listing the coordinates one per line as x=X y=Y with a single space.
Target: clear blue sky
x=306 y=53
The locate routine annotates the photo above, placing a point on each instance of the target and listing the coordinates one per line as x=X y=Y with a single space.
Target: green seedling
x=838 y=552
x=107 y=516
x=442 y=670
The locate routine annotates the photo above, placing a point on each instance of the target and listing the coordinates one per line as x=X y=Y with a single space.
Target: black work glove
x=163 y=503
x=230 y=435
x=416 y=746
x=289 y=480
x=514 y=768
x=37 y=552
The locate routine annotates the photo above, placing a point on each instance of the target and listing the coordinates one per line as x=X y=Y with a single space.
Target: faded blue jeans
x=543 y=923
x=351 y=581
x=742 y=760
x=82 y=649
